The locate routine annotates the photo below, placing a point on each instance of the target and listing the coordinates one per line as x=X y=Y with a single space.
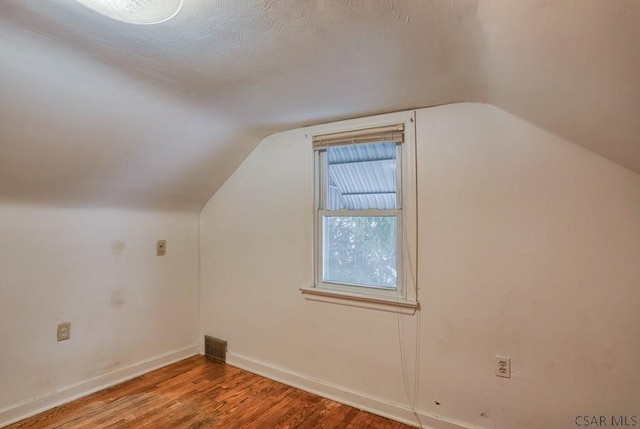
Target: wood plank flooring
x=199 y=393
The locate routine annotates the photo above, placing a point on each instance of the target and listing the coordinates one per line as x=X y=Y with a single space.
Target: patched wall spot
x=117 y=297
x=117 y=247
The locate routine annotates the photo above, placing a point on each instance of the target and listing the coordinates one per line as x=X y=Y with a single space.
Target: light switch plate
x=161 y=247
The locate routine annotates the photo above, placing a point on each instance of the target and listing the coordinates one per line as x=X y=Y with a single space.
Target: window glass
x=360 y=250
x=361 y=177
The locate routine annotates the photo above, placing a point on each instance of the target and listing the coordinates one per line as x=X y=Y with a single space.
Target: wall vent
x=215 y=348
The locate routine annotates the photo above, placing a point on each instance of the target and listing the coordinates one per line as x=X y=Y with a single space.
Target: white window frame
x=404 y=298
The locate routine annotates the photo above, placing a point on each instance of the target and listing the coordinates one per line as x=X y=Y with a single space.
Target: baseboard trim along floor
x=339 y=394
x=27 y=409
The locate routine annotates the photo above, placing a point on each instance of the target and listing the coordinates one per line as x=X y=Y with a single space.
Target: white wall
x=528 y=247
x=96 y=268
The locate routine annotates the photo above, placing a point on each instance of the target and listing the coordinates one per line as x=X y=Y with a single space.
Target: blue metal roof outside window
x=362 y=177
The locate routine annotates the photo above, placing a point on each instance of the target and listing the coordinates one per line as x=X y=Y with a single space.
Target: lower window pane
x=360 y=250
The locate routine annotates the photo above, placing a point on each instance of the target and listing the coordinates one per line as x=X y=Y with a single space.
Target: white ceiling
x=97 y=112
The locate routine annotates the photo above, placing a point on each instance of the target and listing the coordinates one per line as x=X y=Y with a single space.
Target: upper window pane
x=362 y=177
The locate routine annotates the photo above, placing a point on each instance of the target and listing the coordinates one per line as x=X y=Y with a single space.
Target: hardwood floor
x=199 y=393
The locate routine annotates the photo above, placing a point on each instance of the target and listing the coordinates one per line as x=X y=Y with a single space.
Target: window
x=361 y=247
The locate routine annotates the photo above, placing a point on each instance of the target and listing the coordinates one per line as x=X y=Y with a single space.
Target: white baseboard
x=27 y=409
x=358 y=400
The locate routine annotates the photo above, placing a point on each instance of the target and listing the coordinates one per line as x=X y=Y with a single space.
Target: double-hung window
x=360 y=241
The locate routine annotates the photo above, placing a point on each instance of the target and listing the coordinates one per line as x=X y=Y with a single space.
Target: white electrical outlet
x=64 y=331
x=503 y=366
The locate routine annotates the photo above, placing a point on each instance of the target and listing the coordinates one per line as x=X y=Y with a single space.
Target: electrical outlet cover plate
x=503 y=366
x=64 y=331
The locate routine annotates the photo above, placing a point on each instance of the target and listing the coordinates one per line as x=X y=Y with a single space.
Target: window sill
x=361 y=301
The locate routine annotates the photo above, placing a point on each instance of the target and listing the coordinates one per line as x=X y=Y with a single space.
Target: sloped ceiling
x=97 y=112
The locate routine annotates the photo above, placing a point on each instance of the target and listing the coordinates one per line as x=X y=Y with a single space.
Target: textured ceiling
x=97 y=112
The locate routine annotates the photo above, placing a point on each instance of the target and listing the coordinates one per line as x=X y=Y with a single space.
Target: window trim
x=404 y=298
x=402 y=306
